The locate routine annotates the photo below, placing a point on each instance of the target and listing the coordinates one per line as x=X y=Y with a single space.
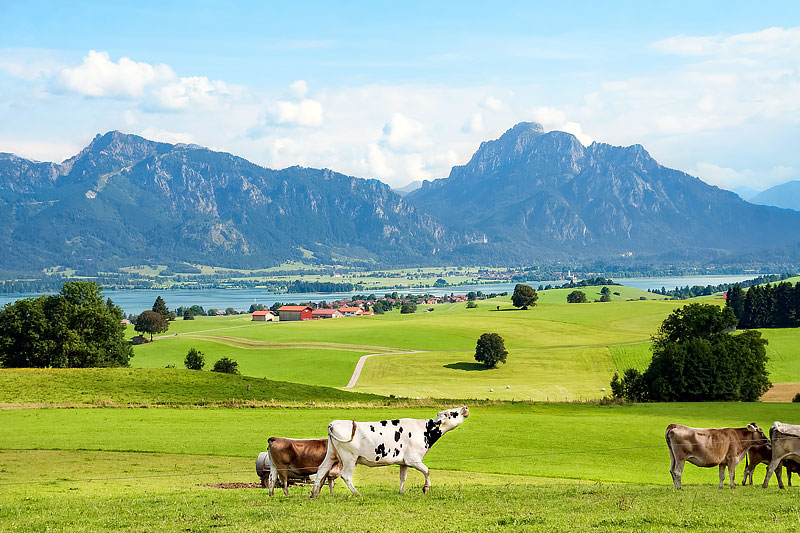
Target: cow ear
x=465 y=411
x=751 y=427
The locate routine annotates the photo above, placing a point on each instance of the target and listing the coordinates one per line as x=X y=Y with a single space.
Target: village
x=359 y=305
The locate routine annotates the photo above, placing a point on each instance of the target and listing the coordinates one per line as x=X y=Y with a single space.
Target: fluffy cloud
x=157 y=87
x=306 y=113
x=768 y=42
x=298 y=89
x=554 y=119
x=404 y=134
x=157 y=134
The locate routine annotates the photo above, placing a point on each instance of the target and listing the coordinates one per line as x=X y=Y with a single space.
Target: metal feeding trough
x=262 y=469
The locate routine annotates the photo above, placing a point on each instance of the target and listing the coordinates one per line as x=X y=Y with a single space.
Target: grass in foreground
x=458 y=501
x=122 y=386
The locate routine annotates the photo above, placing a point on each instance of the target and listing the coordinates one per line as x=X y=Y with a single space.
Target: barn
x=351 y=311
x=327 y=313
x=263 y=316
x=290 y=313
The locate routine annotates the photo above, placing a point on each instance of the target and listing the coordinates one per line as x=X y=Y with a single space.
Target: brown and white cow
x=723 y=447
x=785 y=445
x=298 y=457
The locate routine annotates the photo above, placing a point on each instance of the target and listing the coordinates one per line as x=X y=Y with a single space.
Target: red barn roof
x=262 y=313
x=294 y=308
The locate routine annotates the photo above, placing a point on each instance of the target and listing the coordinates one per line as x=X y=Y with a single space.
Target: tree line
x=684 y=293
x=765 y=306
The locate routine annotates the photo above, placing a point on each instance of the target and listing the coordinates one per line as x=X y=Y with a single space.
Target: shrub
x=796 y=398
x=188 y=315
x=576 y=297
x=491 y=350
x=226 y=366
x=471 y=304
x=194 y=360
x=605 y=297
x=408 y=307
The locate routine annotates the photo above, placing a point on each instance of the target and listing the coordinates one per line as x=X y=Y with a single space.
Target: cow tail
x=352 y=436
x=669 y=442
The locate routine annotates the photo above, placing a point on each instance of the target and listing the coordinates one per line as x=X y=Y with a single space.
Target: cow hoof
x=425 y=489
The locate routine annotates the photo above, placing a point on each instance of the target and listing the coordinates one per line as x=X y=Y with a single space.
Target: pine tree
x=735 y=300
x=161 y=308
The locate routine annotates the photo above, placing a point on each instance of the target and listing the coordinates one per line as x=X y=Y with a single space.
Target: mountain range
x=785 y=195
x=529 y=196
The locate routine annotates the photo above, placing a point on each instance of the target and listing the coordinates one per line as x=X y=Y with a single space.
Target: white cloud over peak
x=156 y=87
x=306 y=113
x=554 y=119
x=404 y=134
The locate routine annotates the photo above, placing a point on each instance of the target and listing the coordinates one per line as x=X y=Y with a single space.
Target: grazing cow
x=762 y=453
x=785 y=445
x=299 y=458
x=403 y=441
x=710 y=447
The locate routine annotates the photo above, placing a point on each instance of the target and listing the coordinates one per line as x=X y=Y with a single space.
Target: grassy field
x=543 y=466
x=123 y=386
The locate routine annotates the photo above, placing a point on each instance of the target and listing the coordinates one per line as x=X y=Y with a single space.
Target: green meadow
x=508 y=467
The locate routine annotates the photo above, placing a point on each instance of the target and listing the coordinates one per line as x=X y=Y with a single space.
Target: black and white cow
x=402 y=441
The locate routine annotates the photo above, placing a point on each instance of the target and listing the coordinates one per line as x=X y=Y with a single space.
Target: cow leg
x=322 y=472
x=285 y=479
x=748 y=471
x=347 y=475
x=331 y=482
x=424 y=469
x=677 y=472
x=774 y=464
x=721 y=474
x=403 y=474
x=273 y=477
x=732 y=475
x=788 y=476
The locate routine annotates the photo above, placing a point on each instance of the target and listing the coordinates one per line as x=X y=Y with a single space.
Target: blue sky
x=404 y=91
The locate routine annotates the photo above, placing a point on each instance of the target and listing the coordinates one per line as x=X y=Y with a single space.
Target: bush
x=408 y=307
x=188 y=315
x=491 y=350
x=471 y=304
x=605 y=297
x=576 y=297
x=194 y=360
x=796 y=398
x=226 y=366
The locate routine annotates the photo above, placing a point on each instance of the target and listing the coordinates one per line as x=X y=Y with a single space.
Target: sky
x=403 y=91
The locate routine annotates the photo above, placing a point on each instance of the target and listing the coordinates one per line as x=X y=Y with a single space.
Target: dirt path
x=363 y=359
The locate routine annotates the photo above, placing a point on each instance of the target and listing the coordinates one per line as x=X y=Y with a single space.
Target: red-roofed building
x=263 y=316
x=351 y=311
x=289 y=313
x=326 y=313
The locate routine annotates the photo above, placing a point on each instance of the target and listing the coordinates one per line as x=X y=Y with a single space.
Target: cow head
x=451 y=418
x=760 y=438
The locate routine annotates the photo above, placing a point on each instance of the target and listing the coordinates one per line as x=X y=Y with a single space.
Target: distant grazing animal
x=710 y=447
x=785 y=445
x=403 y=441
x=299 y=457
x=761 y=453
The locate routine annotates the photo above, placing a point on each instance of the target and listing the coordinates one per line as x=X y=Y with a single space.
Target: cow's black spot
x=395 y=422
x=409 y=434
x=396 y=452
x=397 y=435
x=432 y=433
x=384 y=422
x=454 y=414
x=377 y=458
x=381 y=451
x=372 y=428
x=401 y=444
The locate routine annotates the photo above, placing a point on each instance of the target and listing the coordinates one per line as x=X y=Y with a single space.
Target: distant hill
x=413 y=186
x=546 y=191
x=126 y=200
x=785 y=195
x=745 y=193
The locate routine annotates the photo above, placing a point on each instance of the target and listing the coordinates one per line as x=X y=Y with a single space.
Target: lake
x=136 y=301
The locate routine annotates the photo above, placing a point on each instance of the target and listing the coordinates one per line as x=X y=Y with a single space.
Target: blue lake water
x=136 y=301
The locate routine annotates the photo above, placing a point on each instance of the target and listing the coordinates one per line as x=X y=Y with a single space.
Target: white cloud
x=404 y=134
x=774 y=41
x=554 y=119
x=306 y=113
x=474 y=124
x=156 y=134
x=492 y=104
x=98 y=76
x=298 y=89
x=728 y=177
x=55 y=152
x=156 y=87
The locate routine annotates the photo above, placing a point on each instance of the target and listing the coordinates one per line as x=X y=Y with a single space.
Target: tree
x=697 y=358
x=605 y=290
x=230 y=311
x=212 y=312
x=735 y=301
x=188 y=315
x=408 y=308
x=274 y=307
x=74 y=328
x=195 y=360
x=255 y=307
x=472 y=304
x=378 y=307
x=226 y=366
x=576 y=297
x=161 y=308
x=605 y=297
x=524 y=296
x=491 y=350
x=151 y=322
x=440 y=283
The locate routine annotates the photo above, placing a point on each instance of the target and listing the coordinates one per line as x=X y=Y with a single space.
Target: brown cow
x=298 y=457
x=762 y=453
x=710 y=447
x=785 y=446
